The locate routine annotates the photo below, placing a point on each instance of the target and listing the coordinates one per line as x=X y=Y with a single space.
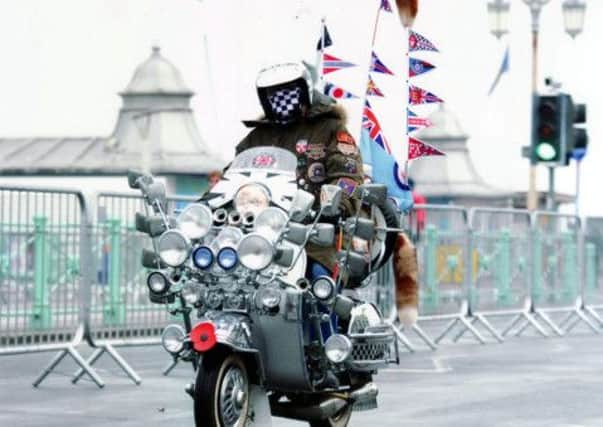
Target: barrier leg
x=87 y=368
x=462 y=332
x=531 y=321
x=170 y=367
x=594 y=314
x=53 y=363
x=489 y=327
x=565 y=320
x=403 y=340
x=511 y=324
x=472 y=329
x=426 y=339
x=545 y=317
x=122 y=364
x=91 y=361
x=448 y=328
x=586 y=320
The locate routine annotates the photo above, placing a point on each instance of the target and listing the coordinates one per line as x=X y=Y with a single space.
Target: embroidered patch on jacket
x=347 y=149
x=301 y=146
x=347 y=185
x=345 y=137
x=316 y=151
x=317 y=172
x=350 y=166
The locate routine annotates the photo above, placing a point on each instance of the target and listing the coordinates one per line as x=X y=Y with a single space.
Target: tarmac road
x=530 y=381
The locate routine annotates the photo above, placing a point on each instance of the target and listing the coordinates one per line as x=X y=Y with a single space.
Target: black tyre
x=391 y=216
x=341 y=419
x=222 y=391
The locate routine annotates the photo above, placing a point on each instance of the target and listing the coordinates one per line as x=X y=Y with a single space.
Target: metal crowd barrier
x=593 y=266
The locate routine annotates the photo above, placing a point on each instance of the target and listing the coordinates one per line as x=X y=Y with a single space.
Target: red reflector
x=203 y=336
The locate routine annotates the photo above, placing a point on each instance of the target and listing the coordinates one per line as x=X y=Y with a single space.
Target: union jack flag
x=378 y=66
x=370 y=123
x=415 y=122
x=372 y=89
x=332 y=63
x=417 y=42
x=417 y=96
x=385 y=6
x=418 y=66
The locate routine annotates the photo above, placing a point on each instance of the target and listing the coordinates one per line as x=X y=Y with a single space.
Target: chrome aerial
x=233 y=397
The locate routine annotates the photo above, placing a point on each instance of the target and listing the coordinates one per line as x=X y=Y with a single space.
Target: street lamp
x=573 y=16
x=498 y=13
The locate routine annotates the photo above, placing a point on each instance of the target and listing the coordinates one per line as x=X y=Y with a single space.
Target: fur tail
x=406 y=272
x=408 y=11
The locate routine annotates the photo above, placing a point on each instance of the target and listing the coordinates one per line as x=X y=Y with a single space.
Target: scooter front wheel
x=340 y=419
x=222 y=391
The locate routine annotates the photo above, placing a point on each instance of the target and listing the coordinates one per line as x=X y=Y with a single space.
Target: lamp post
x=573 y=13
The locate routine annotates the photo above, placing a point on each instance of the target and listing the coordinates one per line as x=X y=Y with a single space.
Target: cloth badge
x=316 y=173
x=263 y=161
x=345 y=137
x=301 y=146
x=350 y=166
x=316 y=151
x=347 y=185
x=347 y=149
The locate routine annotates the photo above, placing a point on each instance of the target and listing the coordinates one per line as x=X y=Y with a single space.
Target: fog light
x=172 y=339
x=158 y=283
x=323 y=288
x=338 y=348
x=203 y=257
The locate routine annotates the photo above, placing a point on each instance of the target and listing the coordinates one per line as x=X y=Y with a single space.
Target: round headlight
x=269 y=298
x=195 y=220
x=191 y=293
x=203 y=257
x=157 y=282
x=255 y=251
x=251 y=198
x=338 y=348
x=227 y=237
x=227 y=258
x=173 y=247
x=270 y=222
x=323 y=288
x=172 y=338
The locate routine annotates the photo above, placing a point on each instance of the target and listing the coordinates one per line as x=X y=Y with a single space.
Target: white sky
x=63 y=62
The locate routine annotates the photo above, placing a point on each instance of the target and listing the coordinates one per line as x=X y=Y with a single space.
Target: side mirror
x=363 y=228
x=301 y=205
x=150 y=260
x=153 y=225
x=373 y=193
x=323 y=235
x=142 y=223
x=356 y=263
x=296 y=233
x=330 y=199
x=133 y=179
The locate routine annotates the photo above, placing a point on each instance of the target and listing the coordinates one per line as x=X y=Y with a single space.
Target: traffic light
x=578 y=134
x=549 y=126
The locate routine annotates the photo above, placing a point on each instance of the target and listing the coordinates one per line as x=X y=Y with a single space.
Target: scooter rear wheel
x=340 y=419
x=222 y=391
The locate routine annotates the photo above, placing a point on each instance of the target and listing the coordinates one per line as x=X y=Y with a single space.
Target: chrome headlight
x=173 y=338
x=228 y=237
x=174 y=248
x=158 y=283
x=323 y=288
x=191 y=293
x=338 y=348
x=268 y=298
x=255 y=251
x=195 y=220
x=228 y=258
x=251 y=198
x=270 y=222
x=203 y=257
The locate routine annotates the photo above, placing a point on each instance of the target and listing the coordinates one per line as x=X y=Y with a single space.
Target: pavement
x=528 y=381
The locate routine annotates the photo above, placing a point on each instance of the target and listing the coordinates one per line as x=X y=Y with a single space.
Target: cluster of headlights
x=230 y=247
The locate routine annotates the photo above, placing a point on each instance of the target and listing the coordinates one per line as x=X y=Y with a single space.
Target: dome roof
x=157 y=75
x=445 y=125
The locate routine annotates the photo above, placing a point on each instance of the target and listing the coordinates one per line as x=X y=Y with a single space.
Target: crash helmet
x=284 y=90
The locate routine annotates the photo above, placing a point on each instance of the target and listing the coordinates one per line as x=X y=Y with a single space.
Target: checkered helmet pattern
x=285 y=103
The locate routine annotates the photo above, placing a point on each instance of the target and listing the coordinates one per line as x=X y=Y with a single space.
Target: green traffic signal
x=545 y=151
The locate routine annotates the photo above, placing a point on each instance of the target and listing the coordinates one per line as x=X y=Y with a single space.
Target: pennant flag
x=385 y=170
x=336 y=92
x=417 y=42
x=418 y=66
x=385 y=6
x=372 y=89
x=504 y=67
x=418 y=149
x=324 y=41
x=415 y=122
x=378 y=66
x=370 y=123
x=417 y=96
x=332 y=63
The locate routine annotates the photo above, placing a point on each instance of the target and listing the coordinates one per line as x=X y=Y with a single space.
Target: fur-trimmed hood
x=323 y=106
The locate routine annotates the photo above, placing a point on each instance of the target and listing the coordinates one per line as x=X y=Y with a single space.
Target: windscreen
x=265 y=158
